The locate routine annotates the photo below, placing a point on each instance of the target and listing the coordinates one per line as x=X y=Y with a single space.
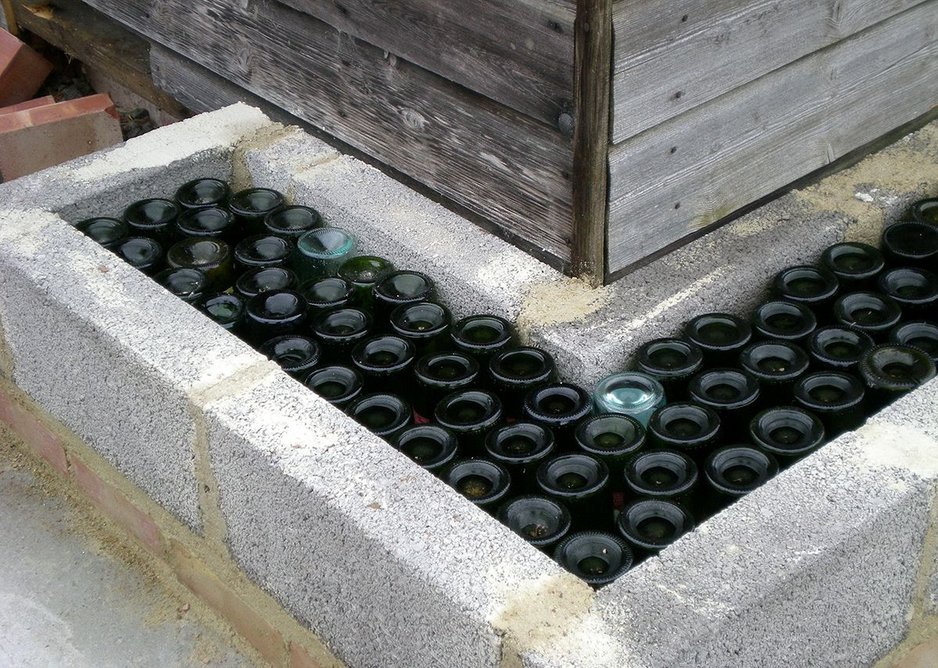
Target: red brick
x=28 y=104
x=22 y=70
x=41 y=137
x=33 y=432
x=115 y=505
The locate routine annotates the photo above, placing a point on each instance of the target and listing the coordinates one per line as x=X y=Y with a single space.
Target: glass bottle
x=430 y=446
x=210 y=223
x=785 y=321
x=910 y=244
x=925 y=211
x=613 y=439
x=484 y=483
x=891 y=370
x=515 y=372
x=482 y=336
x=337 y=384
x=383 y=414
x=732 y=393
x=685 y=427
x=325 y=294
x=296 y=355
x=921 y=335
x=559 y=407
x=154 y=217
x=598 y=558
x=470 y=414
x=339 y=331
x=869 y=312
x=650 y=525
x=251 y=206
x=439 y=374
x=141 y=253
x=836 y=397
x=662 y=474
x=776 y=365
x=226 y=310
x=262 y=250
x=202 y=193
x=424 y=324
x=581 y=483
x=320 y=252
x=275 y=313
x=813 y=287
x=520 y=448
x=628 y=393
x=264 y=279
x=719 y=335
x=856 y=265
x=915 y=290
x=184 y=282
x=735 y=470
x=401 y=287
x=384 y=362
x=364 y=272
x=541 y=521
x=211 y=256
x=838 y=348
x=672 y=362
x=291 y=222
x=109 y=232
x=787 y=433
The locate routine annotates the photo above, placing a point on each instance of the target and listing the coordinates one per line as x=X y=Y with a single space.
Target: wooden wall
x=717 y=103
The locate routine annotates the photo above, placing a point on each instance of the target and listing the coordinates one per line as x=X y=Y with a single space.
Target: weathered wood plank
x=493 y=160
x=692 y=171
x=590 y=139
x=516 y=52
x=671 y=57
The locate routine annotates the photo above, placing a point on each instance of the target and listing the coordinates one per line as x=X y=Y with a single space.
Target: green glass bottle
x=672 y=362
x=292 y=222
x=275 y=313
x=776 y=365
x=814 y=287
x=855 y=265
x=364 y=272
x=211 y=256
x=515 y=372
x=869 y=312
x=424 y=324
x=400 y=287
x=202 y=193
x=430 y=446
x=339 y=385
x=251 y=207
x=915 y=290
x=598 y=558
x=720 y=336
x=520 y=447
x=264 y=279
x=787 y=433
x=911 y=244
x=297 y=355
x=650 y=525
x=438 y=374
x=685 y=427
x=581 y=483
x=154 y=217
x=263 y=250
x=891 y=370
x=541 y=521
x=921 y=335
x=785 y=321
x=837 y=398
x=207 y=223
x=326 y=294
x=484 y=483
x=383 y=414
x=925 y=211
x=470 y=414
x=226 y=310
x=385 y=362
x=339 y=331
x=109 y=232
x=838 y=348
x=142 y=253
x=184 y=282
x=482 y=336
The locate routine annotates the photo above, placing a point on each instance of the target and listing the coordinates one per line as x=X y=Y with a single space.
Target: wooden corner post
x=592 y=81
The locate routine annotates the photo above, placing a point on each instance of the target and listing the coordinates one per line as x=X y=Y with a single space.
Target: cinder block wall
x=266 y=499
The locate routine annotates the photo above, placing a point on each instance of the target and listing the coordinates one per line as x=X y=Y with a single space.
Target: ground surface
x=72 y=594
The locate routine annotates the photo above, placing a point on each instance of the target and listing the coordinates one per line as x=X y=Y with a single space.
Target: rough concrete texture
x=98 y=346
x=279 y=153
x=818 y=567
x=341 y=528
x=476 y=271
x=157 y=162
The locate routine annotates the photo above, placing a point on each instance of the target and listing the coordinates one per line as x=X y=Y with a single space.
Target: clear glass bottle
x=320 y=252
x=631 y=393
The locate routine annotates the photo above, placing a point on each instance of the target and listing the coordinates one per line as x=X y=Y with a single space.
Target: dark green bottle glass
x=255 y=281
x=226 y=310
x=870 y=312
x=598 y=558
x=735 y=470
x=836 y=397
x=470 y=414
x=581 y=483
x=650 y=525
x=438 y=374
x=921 y=335
x=915 y=290
x=142 y=253
x=520 y=448
x=154 y=218
x=925 y=211
x=484 y=483
x=262 y=250
x=685 y=427
x=251 y=206
x=777 y=365
x=202 y=193
x=838 y=348
x=813 y=287
x=291 y=222
x=720 y=336
x=339 y=331
x=184 y=282
x=274 y=313
x=297 y=355
x=424 y=324
x=787 y=433
x=672 y=362
x=732 y=393
x=385 y=362
x=855 y=265
x=364 y=272
x=662 y=474
x=482 y=336
x=785 y=321
x=891 y=370
x=514 y=373
x=430 y=446
x=337 y=384
x=401 y=287
x=109 y=232
x=558 y=406
x=210 y=223
x=383 y=414
x=325 y=294
x=911 y=244
x=541 y=521
x=613 y=439
x=211 y=256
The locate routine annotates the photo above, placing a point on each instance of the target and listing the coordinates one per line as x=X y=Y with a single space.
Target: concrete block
x=22 y=70
x=97 y=345
x=476 y=271
x=40 y=137
x=28 y=104
x=383 y=561
x=290 y=151
x=158 y=162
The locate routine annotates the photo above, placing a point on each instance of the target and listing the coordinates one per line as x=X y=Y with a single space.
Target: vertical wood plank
x=10 y=18
x=592 y=81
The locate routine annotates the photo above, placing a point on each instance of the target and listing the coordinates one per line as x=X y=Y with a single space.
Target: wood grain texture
x=672 y=57
x=692 y=171
x=590 y=138
x=516 y=52
x=503 y=165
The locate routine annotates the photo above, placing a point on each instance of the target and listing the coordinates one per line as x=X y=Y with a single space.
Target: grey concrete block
x=383 y=561
x=110 y=353
x=153 y=164
x=287 y=151
x=476 y=271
